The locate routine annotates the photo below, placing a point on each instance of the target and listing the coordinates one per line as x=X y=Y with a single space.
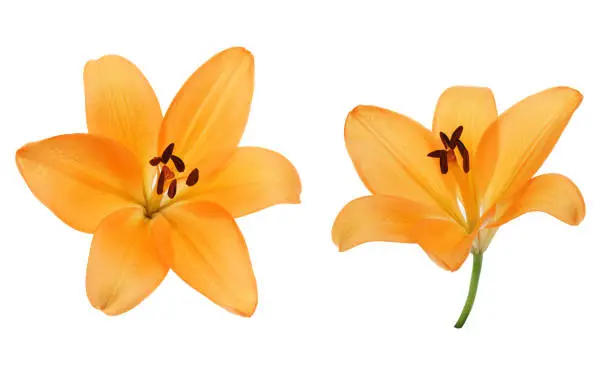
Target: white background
x=545 y=295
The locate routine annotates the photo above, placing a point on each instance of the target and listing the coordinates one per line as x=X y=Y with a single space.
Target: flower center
x=167 y=179
x=447 y=155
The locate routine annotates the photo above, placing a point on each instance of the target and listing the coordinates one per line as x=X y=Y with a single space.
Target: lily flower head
x=451 y=188
x=161 y=193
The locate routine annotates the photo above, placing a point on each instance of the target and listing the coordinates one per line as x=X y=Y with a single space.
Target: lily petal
x=121 y=105
x=378 y=218
x=206 y=249
x=208 y=115
x=124 y=266
x=471 y=107
x=515 y=146
x=252 y=179
x=81 y=178
x=444 y=241
x=551 y=193
x=390 y=151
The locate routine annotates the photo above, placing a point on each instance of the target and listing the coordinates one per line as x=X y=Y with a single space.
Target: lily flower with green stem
x=451 y=188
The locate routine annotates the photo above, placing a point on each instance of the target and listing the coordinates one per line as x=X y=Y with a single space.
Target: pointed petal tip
x=239 y=50
x=466 y=87
x=577 y=95
x=579 y=213
x=360 y=109
x=247 y=313
x=355 y=114
x=107 y=58
x=240 y=53
x=19 y=153
x=248 y=306
x=342 y=246
x=104 y=307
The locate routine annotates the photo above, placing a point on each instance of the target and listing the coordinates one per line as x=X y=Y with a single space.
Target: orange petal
x=124 y=266
x=253 y=179
x=474 y=109
x=121 y=105
x=378 y=218
x=389 y=152
x=471 y=107
x=81 y=178
x=206 y=249
x=551 y=193
x=207 y=117
x=444 y=241
x=515 y=146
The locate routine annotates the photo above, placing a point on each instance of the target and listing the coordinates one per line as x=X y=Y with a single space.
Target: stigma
x=447 y=155
x=167 y=179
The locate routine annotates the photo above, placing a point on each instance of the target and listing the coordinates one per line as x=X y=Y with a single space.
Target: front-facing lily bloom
x=451 y=189
x=162 y=193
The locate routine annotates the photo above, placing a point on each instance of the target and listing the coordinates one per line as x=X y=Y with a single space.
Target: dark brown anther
x=178 y=163
x=465 y=155
x=193 y=177
x=160 y=184
x=443 y=155
x=165 y=157
x=447 y=155
x=455 y=137
x=444 y=164
x=437 y=153
x=154 y=161
x=445 y=140
x=172 y=189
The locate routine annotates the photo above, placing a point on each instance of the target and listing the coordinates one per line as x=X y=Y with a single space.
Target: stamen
x=167 y=173
x=455 y=137
x=178 y=163
x=447 y=155
x=465 y=155
x=165 y=157
x=172 y=189
x=444 y=164
x=445 y=140
x=436 y=153
x=160 y=184
x=193 y=177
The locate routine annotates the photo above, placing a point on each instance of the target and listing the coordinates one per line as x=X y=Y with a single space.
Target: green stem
x=469 y=302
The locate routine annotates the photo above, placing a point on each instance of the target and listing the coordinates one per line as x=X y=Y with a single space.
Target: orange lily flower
x=161 y=193
x=450 y=189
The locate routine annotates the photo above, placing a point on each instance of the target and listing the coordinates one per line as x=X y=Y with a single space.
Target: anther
x=193 y=177
x=165 y=157
x=445 y=140
x=178 y=163
x=444 y=164
x=160 y=184
x=447 y=154
x=442 y=154
x=465 y=155
x=455 y=137
x=155 y=161
x=437 y=153
x=172 y=189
